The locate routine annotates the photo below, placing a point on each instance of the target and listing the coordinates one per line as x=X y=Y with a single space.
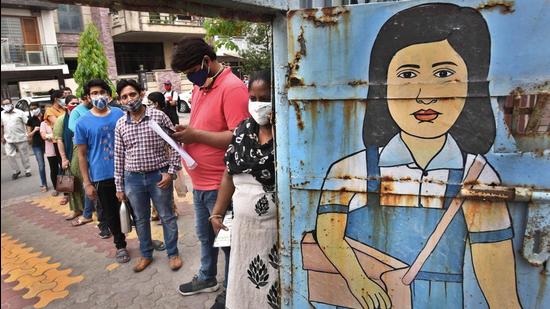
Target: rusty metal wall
x=327 y=86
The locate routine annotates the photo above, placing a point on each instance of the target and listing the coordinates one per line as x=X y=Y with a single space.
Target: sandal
x=81 y=221
x=122 y=256
x=73 y=216
x=43 y=189
x=64 y=200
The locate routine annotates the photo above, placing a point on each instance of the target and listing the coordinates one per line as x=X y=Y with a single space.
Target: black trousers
x=110 y=209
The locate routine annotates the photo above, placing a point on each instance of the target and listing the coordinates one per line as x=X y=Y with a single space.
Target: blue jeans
x=39 y=155
x=88 y=207
x=141 y=188
x=204 y=204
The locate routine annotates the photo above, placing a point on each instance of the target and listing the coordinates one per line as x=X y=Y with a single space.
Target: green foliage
x=92 y=62
x=258 y=55
x=224 y=29
x=257 y=35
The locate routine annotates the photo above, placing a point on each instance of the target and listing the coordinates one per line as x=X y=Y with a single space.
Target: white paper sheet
x=190 y=162
x=224 y=237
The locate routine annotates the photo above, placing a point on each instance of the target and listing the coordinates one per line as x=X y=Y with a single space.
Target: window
x=70 y=19
x=130 y=55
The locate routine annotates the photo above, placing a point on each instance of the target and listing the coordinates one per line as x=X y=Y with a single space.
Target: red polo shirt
x=218 y=109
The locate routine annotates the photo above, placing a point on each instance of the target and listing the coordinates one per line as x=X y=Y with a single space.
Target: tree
x=257 y=35
x=92 y=62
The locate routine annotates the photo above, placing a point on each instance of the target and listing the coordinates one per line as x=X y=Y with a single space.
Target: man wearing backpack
x=171 y=96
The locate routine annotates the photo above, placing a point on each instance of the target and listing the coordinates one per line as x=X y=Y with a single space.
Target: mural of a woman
x=428 y=120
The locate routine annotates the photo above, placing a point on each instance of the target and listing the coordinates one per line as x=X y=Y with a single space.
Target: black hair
x=97 y=83
x=34 y=104
x=55 y=94
x=190 y=52
x=67 y=88
x=69 y=98
x=158 y=98
x=123 y=83
x=467 y=32
x=264 y=76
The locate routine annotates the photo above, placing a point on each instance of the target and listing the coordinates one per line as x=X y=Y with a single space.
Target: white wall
x=16 y=12
x=28 y=88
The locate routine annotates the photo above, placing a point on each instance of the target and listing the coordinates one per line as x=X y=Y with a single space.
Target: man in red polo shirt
x=220 y=103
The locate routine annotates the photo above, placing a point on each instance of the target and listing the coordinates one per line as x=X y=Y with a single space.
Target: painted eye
x=444 y=73
x=407 y=74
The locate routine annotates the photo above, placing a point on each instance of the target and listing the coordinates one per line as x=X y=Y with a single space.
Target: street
x=47 y=263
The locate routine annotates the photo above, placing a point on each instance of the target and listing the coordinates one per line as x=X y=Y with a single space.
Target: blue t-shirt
x=77 y=112
x=99 y=134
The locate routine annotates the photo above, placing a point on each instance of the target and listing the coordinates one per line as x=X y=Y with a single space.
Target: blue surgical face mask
x=100 y=102
x=62 y=102
x=199 y=78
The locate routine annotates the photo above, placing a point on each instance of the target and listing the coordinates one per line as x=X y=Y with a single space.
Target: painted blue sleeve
x=491 y=236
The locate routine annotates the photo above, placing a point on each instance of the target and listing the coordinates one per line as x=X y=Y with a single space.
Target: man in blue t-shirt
x=95 y=136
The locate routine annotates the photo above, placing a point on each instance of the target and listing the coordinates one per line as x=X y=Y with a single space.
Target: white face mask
x=8 y=107
x=35 y=112
x=260 y=111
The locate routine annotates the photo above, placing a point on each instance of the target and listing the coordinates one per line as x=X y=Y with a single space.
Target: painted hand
x=369 y=294
x=165 y=181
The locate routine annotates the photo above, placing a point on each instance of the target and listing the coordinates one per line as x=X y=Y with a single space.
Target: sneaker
x=142 y=264
x=196 y=286
x=219 y=303
x=15 y=176
x=28 y=174
x=105 y=234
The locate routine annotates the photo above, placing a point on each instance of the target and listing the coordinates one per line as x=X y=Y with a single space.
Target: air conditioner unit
x=35 y=57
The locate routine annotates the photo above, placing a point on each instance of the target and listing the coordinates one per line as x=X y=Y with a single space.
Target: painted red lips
x=426 y=115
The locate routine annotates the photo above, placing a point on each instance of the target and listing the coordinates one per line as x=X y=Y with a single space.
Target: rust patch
x=298 y=115
x=355 y=83
x=325 y=16
x=293 y=79
x=506 y=7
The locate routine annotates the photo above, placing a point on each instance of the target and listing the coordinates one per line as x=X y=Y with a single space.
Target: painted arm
x=496 y=274
x=330 y=236
x=227 y=188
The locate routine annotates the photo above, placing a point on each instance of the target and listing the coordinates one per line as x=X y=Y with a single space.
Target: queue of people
x=117 y=157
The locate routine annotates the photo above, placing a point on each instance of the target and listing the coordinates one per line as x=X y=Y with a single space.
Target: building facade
x=32 y=60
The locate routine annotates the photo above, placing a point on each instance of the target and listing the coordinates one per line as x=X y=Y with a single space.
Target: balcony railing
x=171 y=19
x=32 y=54
x=118 y=19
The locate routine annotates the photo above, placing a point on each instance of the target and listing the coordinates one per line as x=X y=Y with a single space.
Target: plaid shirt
x=139 y=149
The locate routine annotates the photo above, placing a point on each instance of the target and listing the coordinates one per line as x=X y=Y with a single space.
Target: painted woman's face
x=427 y=88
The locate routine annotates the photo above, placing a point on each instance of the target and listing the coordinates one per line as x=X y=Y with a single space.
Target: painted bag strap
x=472 y=176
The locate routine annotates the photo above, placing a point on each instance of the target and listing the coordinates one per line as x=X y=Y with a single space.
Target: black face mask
x=199 y=78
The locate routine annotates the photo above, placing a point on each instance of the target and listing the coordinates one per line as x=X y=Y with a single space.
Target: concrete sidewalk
x=48 y=263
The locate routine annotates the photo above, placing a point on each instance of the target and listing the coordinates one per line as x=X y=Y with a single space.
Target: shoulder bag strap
x=471 y=176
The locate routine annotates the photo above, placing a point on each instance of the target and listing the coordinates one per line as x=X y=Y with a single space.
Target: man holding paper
x=220 y=103
x=144 y=170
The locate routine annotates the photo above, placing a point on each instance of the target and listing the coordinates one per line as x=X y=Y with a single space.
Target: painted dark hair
x=466 y=31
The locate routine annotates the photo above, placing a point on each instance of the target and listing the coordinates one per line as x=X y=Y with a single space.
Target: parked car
x=185 y=101
x=24 y=103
